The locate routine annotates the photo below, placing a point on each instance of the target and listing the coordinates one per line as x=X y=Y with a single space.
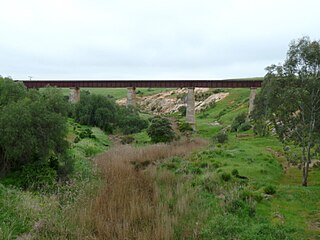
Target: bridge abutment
x=253 y=93
x=191 y=113
x=74 y=95
x=131 y=97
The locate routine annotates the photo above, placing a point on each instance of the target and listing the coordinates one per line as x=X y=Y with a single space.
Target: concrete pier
x=191 y=114
x=131 y=97
x=74 y=95
x=253 y=93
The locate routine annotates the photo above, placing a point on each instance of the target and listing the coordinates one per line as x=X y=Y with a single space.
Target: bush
x=221 y=137
x=270 y=190
x=185 y=127
x=183 y=111
x=102 y=112
x=86 y=133
x=235 y=172
x=76 y=139
x=160 y=130
x=238 y=120
x=36 y=176
x=260 y=127
x=244 y=127
x=33 y=125
x=226 y=177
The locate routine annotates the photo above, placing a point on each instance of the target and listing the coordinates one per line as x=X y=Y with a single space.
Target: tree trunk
x=305 y=174
x=304 y=163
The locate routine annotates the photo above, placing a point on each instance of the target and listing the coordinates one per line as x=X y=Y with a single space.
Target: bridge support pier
x=131 y=97
x=253 y=93
x=191 y=114
x=74 y=95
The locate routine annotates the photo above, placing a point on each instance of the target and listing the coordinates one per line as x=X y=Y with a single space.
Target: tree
x=290 y=99
x=102 y=112
x=160 y=130
x=32 y=129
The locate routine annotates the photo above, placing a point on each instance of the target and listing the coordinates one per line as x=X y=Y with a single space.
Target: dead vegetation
x=132 y=202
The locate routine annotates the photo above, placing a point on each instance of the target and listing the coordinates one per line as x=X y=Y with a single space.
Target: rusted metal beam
x=144 y=83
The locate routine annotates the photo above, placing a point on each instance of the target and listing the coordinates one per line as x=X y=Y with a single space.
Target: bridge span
x=131 y=85
x=144 y=83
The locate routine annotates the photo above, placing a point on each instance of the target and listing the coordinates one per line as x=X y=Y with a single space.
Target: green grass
x=224 y=112
x=119 y=93
x=292 y=206
x=22 y=211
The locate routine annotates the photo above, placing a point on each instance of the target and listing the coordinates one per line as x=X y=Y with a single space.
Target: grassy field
x=118 y=93
x=262 y=160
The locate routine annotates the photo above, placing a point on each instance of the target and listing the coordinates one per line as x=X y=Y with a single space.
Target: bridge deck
x=144 y=83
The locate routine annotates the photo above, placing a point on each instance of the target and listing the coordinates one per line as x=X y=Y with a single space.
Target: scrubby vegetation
x=33 y=130
x=239 y=183
x=160 y=130
x=100 y=111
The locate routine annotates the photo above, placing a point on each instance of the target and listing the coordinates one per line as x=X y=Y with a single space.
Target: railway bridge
x=132 y=85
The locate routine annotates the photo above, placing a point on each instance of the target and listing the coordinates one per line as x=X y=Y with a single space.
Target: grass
x=119 y=93
x=261 y=159
x=136 y=208
x=174 y=191
x=224 y=112
x=26 y=214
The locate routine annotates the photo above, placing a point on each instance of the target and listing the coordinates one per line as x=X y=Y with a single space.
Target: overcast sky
x=149 y=39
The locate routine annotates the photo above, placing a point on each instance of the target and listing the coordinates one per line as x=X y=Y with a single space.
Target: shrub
x=76 y=139
x=160 y=130
x=244 y=127
x=210 y=183
x=36 y=176
x=226 y=177
x=235 y=172
x=32 y=125
x=185 y=127
x=102 y=112
x=221 y=137
x=183 y=111
x=86 y=133
x=130 y=122
x=238 y=120
x=270 y=190
x=260 y=127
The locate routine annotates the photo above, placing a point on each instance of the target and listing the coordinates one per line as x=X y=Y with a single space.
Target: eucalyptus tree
x=290 y=99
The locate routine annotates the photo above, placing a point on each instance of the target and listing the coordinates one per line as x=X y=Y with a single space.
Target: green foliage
x=235 y=172
x=270 y=190
x=290 y=97
x=102 y=112
x=160 y=130
x=130 y=122
x=96 y=110
x=221 y=137
x=10 y=91
x=32 y=128
x=226 y=177
x=86 y=133
x=185 y=127
x=36 y=176
x=230 y=226
x=244 y=127
x=238 y=121
x=183 y=111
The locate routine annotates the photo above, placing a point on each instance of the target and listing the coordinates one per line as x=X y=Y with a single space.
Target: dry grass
x=131 y=205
